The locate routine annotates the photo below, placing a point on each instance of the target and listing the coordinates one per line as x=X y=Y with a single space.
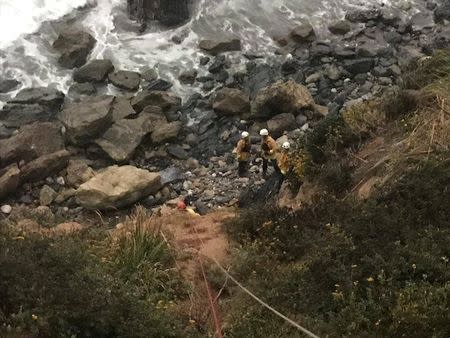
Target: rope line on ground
x=251 y=294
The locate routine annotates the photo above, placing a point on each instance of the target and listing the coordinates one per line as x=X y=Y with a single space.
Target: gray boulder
x=44 y=166
x=188 y=77
x=122 y=139
x=363 y=15
x=74 y=46
x=230 y=101
x=125 y=79
x=215 y=47
x=341 y=27
x=85 y=121
x=167 y=12
x=45 y=96
x=94 y=71
x=281 y=97
x=166 y=131
x=32 y=141
x=166 y=101
x=303 y=33
x=118 y=187
x=122 y=108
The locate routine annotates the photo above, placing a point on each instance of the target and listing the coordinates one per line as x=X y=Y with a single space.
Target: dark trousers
x=242 y=169
x=266 y=164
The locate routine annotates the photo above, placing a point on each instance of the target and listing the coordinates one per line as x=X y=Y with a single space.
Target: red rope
x=211 y=301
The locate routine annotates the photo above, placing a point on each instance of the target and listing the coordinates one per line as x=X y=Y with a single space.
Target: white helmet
x=245 y=134
x=286 y=145
x=264 y=132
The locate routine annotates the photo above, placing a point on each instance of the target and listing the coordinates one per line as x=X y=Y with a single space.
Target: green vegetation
x=89 y=286
x=343 y=266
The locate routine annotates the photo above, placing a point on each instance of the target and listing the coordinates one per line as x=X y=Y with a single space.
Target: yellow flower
x=370 y=279
x=34 y=317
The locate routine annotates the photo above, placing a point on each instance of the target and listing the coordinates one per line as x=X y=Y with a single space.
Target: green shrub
x=352 y=269
x=58 y=287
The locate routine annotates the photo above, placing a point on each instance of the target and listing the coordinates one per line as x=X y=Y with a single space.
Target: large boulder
x=281 y=97
x=74 y=46
x=166 y=101
x=85 y=121
x=94 y=71
x=442 y=12
x=166 y=131
x=118 y=187
x=125 y=79
x=122 y=108
x=50 y=98
x=281 y=123
x=32 y=141
x=231 y=101
x=215 y=47
x=9 y=180
x=303 y=33
x=44 y=166
x=14 y=115
x=122 y=139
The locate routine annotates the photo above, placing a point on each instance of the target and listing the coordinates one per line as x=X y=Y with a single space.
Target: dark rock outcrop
x=74 y=46
x=8 y=85
x=166 y=101
x=94 y=71
x=215 y=47
x=44 y=96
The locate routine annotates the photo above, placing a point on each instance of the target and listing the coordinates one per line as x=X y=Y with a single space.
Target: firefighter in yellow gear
x=269 y=150
x=283 y=158
x=243 y=153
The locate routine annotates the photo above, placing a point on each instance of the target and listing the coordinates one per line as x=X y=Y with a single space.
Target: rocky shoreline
x=62 y=154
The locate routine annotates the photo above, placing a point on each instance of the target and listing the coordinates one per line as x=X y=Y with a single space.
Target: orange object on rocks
x=181 y=205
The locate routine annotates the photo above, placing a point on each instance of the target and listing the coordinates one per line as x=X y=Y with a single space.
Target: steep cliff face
x=168 y=12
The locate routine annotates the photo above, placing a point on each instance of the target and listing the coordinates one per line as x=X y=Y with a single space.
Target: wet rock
x=177 y=151
x=118 y=187
x=421 y=21
x=169 y=13
x=94 y=71
x=290 y=66
x=281 y=123
x=74 y=46
x=32 y=141
x=78 y=89
x=341 y=27
x=8 y=85
x=45 y=96
x=78 y=172
x=44 y=166
x=166 y=101
x=84 y=121
x=9 y=180
x=230 y=101
x=320 y=49
x=303 y=33
x=122 y=139
x=47 y=195
x=215 y=47
x=122 y=109
x=204 y=60
x=281 y=97
x=166 y=131
x=188 y=77
x=358 y=66
x=125 y=79
x=363 y=15
x=159 y=85
x=219 y=63
x=16 y=115
x=259 y=77
x=149 y=74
